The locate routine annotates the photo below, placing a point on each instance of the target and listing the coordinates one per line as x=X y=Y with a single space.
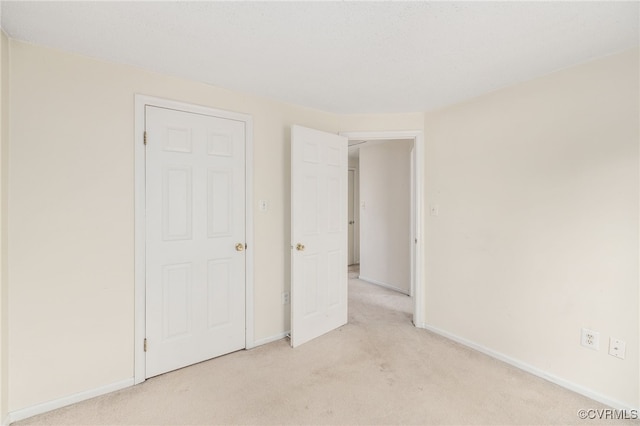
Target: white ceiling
x=343 y=57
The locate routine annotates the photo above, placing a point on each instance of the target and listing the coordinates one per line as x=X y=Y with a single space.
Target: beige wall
x=537 y=235
x=385 y=230
x=4 y=143
x=72 y=221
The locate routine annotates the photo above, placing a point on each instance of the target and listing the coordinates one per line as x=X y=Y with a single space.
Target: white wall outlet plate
x=590 y=339
x=617 y=347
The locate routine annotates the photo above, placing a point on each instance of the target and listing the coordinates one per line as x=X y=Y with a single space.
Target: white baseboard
x=533 y=370
x=34 y=410
x=385 y=285
x=271 y=339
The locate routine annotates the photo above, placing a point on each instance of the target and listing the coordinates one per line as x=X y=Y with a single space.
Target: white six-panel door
x=318 y=233
x=195 y=238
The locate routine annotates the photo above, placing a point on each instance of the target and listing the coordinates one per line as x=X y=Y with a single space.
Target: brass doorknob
x=239 y=247
x=300 y=247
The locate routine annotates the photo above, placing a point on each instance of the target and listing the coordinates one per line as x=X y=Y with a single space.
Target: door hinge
x=145 y=344
x=145 y=137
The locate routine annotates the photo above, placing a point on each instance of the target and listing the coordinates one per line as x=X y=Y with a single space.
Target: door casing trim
x=139 y=221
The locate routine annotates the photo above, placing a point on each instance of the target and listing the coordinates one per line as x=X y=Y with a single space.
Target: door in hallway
x=195 y=238
x=351 y=258
x=318 y=233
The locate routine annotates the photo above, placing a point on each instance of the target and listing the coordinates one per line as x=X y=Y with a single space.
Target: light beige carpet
x=378 y=369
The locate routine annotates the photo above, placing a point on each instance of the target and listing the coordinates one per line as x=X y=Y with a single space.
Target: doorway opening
x=385 y=204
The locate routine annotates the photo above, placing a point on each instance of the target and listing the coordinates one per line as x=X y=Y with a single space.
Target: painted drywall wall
x=71 y=195
x=4 y=143
x=385 y=200
x=537 y=233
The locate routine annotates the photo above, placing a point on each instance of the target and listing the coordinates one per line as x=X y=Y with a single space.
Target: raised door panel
x=176 y=300
x=176 y=203
x=219 y=294
x=219 y=203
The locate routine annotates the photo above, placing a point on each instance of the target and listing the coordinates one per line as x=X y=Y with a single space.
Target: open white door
x=318 y=233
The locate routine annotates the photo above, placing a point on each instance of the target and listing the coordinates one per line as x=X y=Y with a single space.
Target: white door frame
x=417 y=178
x=140 y=222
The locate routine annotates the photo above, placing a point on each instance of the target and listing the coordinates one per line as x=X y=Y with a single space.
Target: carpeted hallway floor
x=377 y=369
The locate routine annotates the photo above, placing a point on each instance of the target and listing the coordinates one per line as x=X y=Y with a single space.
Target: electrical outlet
x=285 y=297
x=617 y=347
x=434 y=209
x=590 y=339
